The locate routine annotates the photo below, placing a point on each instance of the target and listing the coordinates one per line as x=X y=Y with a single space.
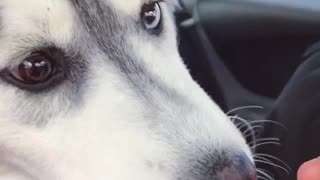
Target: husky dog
x=96 y=90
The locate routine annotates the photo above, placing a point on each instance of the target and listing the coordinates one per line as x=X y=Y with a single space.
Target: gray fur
x=108 y=30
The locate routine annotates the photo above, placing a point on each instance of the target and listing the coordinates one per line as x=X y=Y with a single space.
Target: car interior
x=259 y=60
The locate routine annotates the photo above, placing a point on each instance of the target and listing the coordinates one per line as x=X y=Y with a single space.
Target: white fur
x=113 y=135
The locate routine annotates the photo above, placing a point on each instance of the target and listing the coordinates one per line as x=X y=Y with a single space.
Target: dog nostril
x=240 y=168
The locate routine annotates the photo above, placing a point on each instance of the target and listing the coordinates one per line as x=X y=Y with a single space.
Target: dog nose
x=239 y=168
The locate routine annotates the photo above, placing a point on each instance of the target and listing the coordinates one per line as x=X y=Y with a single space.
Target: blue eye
x=151 y=16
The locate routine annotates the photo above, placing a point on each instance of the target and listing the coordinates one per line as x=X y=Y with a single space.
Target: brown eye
x=151 y=16
x=35 y=69
x=40 y=71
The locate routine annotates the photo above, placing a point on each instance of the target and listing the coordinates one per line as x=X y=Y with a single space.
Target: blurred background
x=260 y=60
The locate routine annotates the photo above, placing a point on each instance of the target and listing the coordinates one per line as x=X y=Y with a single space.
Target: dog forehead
x=134 y=6
x=41 y=9
x=45 y=18
x=127 y=7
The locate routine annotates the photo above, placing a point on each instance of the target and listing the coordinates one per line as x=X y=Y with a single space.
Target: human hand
x=310 y=170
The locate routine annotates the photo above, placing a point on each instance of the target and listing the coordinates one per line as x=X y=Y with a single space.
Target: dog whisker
x=270 y=122
x=243 y=108
x=262 y=178
x=247 y=133
x=274 y=158
x=273 y=165
x=264 y=174
x=250 y=130
x=244 y=122
x=264 y=140
x=265 y=143
x=269 y=162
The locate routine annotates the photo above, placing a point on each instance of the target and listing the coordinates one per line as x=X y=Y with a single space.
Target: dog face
x=96 y=89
